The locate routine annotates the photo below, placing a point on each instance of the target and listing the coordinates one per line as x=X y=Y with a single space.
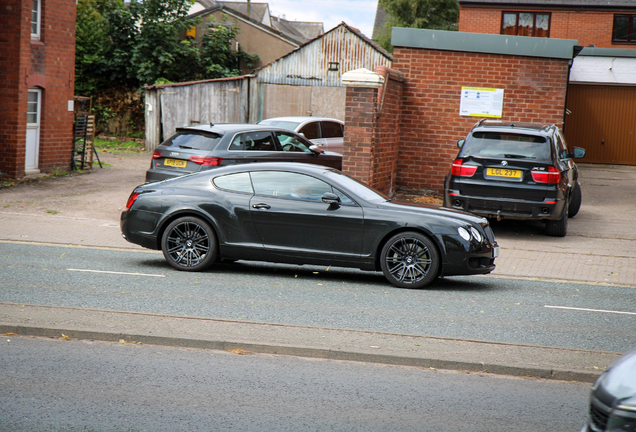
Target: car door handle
x=262 y=206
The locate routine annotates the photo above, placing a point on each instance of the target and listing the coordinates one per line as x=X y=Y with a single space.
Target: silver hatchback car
x=326 y=133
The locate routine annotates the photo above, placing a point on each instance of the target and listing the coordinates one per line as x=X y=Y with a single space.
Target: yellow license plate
x=176 y=163
x=503 y=172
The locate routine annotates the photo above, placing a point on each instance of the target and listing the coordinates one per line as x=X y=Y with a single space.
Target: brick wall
x=371 y=132
x=588 y=27
x=48 y=64
x=534 y=90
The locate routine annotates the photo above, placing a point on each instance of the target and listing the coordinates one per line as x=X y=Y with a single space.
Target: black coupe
x=304 y=214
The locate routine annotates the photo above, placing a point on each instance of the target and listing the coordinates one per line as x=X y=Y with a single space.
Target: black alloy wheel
x=189 y=244
x=410 y=260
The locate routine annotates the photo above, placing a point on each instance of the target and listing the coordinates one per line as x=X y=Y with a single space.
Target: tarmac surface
x=84 y=210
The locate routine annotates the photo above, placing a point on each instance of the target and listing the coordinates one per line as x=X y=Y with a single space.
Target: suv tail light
x=552 y=176
x=206 y=160
x=459 y=169
x=131 y=200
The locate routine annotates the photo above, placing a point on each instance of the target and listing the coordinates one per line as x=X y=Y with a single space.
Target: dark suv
x=516 y=171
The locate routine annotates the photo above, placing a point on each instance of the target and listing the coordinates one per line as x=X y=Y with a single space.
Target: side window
x=311 y=130
x=562 y=147
x=332 y=130
x=36 y=19
x=239 y=182
x=289 y=185
x=254 y=141
x=291 y=143
x=343 y=198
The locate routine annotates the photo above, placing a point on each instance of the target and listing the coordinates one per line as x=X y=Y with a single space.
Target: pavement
x=83 y=211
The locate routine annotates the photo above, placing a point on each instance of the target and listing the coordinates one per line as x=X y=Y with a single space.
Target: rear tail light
x=131 y=200
x=206 y=161
x=156 y=154
x=552 y=176
x=459 y=169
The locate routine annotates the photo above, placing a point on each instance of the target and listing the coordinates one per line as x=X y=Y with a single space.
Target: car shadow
x=326 y=274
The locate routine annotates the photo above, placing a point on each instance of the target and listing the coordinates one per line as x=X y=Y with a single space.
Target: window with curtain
x=525 y=24
x=624 y=29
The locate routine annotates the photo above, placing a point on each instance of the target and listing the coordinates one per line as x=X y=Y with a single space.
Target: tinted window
x=187 y=140
x=254 y=141
x=292 y=143
x=290 y=185
x=235 y=182
x=311 y=130
x=506 y=145
x=331 y=130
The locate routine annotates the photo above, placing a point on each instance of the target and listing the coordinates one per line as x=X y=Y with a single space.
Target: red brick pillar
x=360 y=123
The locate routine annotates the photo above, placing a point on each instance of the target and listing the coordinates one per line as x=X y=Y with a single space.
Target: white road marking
x=120 y=273
x=590 y=310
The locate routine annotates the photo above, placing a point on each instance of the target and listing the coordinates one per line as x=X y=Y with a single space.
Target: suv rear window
x=189 y=140
x=506 y=145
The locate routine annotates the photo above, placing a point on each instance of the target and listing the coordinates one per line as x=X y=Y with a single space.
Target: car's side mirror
x=314 y=148
x=460 y=143
x=578 y=154
x=331 y=198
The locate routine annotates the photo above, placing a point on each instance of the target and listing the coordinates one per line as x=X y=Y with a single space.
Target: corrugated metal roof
x=314 y=63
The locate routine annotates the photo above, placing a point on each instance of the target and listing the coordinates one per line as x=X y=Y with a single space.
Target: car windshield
x=506 y=145
x=357 y=188
x=188 y=140
x=280 y=123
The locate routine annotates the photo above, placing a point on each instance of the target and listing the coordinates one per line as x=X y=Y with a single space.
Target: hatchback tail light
x=206 y=161
x=459 y=169
x=156 y=154
x=131 y=200
x=552 y=176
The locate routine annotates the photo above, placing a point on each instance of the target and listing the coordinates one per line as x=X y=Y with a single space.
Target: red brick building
x=604 y=24
x=402 y=133
x=37 y=65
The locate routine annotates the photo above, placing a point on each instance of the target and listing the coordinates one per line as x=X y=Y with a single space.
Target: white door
x=33 y=132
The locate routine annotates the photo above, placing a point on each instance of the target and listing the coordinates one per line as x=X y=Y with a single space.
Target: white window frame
x=36 y=9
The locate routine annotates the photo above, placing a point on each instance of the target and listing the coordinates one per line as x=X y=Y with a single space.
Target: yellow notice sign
x=481 y=102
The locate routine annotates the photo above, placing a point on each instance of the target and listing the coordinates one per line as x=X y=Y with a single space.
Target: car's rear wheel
x=410 y=260
x=558 y=228
x=189 y=244
x=577 y=197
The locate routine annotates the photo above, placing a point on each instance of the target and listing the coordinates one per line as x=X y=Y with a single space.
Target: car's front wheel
x=575 y=204
x=410 y=260
x=189 y=244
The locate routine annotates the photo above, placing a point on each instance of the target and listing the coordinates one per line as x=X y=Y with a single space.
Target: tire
x=410 y=260
x=575 y=204
x=189 y=244
x=558 y=228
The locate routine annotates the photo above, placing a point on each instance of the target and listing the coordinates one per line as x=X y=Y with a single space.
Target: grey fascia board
x=483 y=43
x=608 y=52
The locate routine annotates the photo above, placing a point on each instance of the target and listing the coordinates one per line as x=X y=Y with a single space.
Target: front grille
x=489 y=234
x=598 y=418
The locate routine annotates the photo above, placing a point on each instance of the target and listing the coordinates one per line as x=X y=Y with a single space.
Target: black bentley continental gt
x=299 y=213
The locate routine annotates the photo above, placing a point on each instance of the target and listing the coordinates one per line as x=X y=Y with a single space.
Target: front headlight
x=463 y=232
x=470 y=232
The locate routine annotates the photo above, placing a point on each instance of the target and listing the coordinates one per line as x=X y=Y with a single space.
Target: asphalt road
x=516 y=311
x=57 y=385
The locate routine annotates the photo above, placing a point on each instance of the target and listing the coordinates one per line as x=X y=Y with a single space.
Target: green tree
x=145 y=43
x=218 y=59
x=90 y=48
x=424 y=14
